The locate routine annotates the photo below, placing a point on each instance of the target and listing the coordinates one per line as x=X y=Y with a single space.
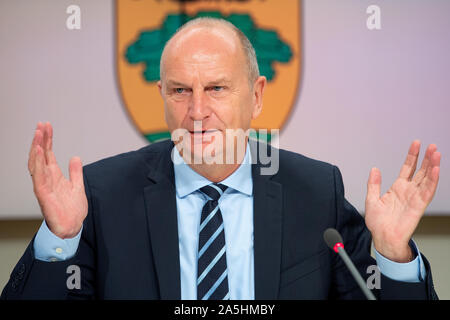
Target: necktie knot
x=214 y=190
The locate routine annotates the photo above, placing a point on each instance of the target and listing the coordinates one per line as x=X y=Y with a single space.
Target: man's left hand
x=393 y=217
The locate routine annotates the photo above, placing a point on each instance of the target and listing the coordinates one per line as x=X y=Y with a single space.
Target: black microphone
x=334 y=240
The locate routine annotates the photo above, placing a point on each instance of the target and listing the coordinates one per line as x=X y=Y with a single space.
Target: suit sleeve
x=35 y=279
x=357 y=243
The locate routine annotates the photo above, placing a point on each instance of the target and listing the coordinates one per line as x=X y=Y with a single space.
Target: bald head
x=203 y=32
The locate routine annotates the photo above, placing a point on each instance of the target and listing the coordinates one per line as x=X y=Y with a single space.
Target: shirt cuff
x=49 y=247
x=413 y=271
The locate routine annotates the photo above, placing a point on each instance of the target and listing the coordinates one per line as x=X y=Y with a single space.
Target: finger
x=33 y=142
x=373 y=186
x=41 y=128
x=39 y=168
x=421 y=174
x=429 y=185
x=416 y=144
x=76 y=173
x=38 y=128
x=435 y=161
x=409 y=166
x=48 y=137
x=37 y=141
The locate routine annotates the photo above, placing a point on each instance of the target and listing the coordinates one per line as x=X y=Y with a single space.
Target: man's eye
x=179 y=90
x=217 y=88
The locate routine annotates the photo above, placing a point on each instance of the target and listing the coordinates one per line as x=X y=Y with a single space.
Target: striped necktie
x=212 y=276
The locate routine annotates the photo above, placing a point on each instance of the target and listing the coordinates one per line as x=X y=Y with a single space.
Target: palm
x=63 y=202
x=393 y=217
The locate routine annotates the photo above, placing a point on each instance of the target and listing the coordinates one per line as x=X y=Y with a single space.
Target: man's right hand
x=63 y=202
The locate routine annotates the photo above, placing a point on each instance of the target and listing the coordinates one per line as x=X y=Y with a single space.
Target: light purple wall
x=365 y=95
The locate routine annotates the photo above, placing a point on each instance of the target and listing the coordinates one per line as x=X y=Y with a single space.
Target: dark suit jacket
x=129 y=244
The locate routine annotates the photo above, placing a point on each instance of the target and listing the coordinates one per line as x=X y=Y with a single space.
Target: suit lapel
x=267 y=204
x=161 y=210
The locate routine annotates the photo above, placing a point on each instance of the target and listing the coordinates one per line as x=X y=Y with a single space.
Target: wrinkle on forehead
x=198 y=58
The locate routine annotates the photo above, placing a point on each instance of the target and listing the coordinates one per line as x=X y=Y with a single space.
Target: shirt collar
x=188 y=181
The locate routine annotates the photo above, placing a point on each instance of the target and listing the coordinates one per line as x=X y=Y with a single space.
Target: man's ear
x=159 y=87
x=258 y=92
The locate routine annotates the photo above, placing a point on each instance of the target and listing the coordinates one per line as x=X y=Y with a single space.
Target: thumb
x=373 y=185
x=76 y=173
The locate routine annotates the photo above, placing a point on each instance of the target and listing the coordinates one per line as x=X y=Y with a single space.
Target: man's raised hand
x=393 y=217
x=63 y=202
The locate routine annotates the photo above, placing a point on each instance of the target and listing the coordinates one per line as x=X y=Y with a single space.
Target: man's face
x=205 y=79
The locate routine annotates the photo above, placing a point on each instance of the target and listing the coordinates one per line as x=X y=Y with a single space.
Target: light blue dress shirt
x=236 y=205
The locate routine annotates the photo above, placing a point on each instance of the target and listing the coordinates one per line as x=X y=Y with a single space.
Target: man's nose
x=198 y=108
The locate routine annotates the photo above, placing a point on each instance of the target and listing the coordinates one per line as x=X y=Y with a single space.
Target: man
x=147 y=226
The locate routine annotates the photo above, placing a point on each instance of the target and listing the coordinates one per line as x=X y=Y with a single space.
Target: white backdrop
x=365 y=95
